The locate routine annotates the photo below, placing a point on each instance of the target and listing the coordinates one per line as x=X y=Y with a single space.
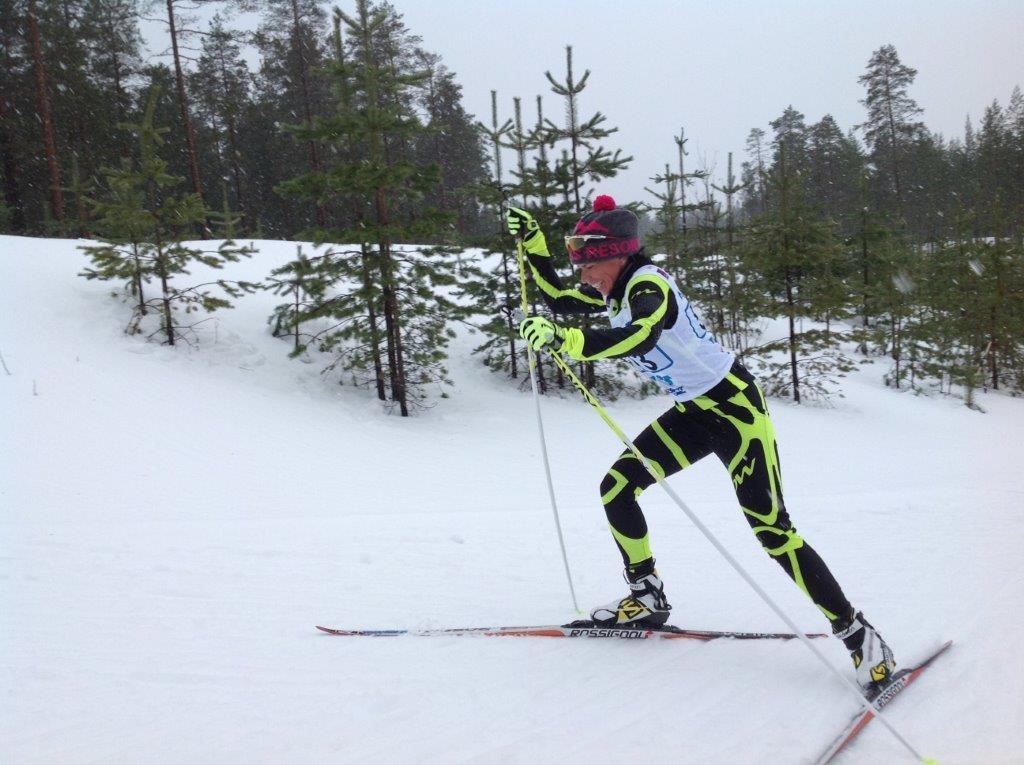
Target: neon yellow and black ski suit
x=719 y=409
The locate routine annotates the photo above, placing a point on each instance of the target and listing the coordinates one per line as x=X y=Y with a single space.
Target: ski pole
x=847 y=682
x=531 y=356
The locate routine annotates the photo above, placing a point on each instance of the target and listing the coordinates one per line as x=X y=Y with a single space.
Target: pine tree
x=968 y=327
x=998 y=268
x=305 y=282
x=869 y=257
x=667 y=240
x=290 y=88
x=56 y=208
x=221 y=88
x=791 y=137
x=930 y=174
x=57 y=109
x=111 y=31
x=383 y=193
x=584 y=161
x=791 y=259
x=1015 y=140
x=891 y=127
x=739 y=326
x=176 y=32
x=452 y=143
x=993 y=167
x=834 y=169
x=755 y=170
x=143 y=221
x=14 y=66
x=706 y=267
x=674 y=212
x=495 y=291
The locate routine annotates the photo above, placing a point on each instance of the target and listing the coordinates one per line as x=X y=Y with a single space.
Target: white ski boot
x=872 y=657
x=645 y=606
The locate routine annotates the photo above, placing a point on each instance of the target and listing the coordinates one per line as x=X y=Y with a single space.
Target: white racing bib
x=687 y=361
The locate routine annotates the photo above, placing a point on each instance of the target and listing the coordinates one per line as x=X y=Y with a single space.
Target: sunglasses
x=576 y=242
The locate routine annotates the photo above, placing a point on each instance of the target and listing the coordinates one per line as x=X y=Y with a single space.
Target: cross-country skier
x=719 y=409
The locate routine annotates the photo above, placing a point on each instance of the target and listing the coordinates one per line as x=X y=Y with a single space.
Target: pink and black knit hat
x=606 y=232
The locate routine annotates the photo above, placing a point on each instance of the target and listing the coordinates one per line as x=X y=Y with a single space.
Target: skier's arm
x=558 y=298
x=652 y=307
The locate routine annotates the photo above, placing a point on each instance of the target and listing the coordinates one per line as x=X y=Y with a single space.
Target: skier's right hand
x=541 y=333
x=523 y=227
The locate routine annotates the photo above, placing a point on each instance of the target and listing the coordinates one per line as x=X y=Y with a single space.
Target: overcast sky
x=719 y=68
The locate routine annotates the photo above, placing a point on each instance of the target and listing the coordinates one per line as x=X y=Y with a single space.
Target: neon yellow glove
x=523 y=226
x=541 y=333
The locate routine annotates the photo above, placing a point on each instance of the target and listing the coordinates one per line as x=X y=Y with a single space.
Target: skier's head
x=604 y=233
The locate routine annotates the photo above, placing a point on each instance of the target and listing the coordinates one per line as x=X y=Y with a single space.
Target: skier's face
x=602 y=274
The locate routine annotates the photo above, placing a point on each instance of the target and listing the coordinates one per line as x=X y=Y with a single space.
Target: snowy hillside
x=174 y=522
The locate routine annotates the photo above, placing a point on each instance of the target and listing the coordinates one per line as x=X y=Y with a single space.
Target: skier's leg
x=746 y=445
x=627 y=479
x=745 y=442
x=646 y=605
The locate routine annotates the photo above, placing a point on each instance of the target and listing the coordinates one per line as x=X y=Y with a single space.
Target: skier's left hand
x=524 y=227
x=541 y=333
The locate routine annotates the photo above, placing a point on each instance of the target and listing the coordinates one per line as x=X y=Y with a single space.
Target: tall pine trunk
x=11 y=171
x=784 y=212
x=307 y=105
x=236 y=169
x=168 y=311
x=186 y=119
x=45 y=117
x=371 y=316
x=791 y=310
x=894 y=155
x=137 y=279
x=392 y=314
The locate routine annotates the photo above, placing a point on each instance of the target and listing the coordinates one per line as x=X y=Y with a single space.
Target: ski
x=583 y=628
x=879 y=699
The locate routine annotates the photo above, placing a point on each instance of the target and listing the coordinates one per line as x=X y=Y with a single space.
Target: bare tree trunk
x=864 y=264
x=789 y=276
x=81 y=212
x=894 y=149
x=896 y=350
x=186 y=120
x=681 y=144
x=43 y=100
x=391 y=319
x=232 y=141
x=168 y=317
x=442 y=190
x=121 y=97
x=307 y=107
x=12 y=192
x=236 y=169
x=137 y=278
x=392 y=329
x=513 y=355
x=392 y=322
x=792 y=338
x=371 y=315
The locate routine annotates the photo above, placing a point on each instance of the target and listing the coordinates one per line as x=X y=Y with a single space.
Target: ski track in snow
x=173 y=522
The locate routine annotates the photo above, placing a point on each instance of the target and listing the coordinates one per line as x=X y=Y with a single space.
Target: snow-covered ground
x=174 y=522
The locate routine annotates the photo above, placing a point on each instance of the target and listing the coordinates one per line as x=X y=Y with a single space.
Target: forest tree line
x=886 y=238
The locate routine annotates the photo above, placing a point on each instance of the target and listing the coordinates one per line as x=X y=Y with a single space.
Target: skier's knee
x=612 y=486
x=776 y=541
